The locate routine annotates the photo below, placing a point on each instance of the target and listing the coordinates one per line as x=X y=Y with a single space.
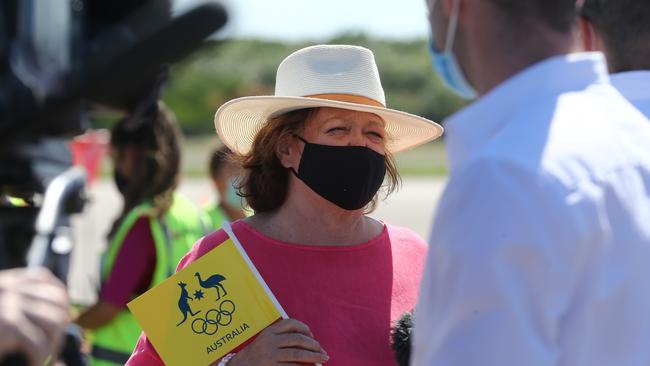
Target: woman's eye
x=376 y=135
x=336 y=129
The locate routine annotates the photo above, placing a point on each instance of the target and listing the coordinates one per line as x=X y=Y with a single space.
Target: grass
x=428 y=159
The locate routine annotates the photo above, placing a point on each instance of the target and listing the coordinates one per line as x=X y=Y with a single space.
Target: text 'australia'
x=228 y=337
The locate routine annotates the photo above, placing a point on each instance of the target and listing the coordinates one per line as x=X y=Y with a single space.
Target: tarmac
x=413 y=206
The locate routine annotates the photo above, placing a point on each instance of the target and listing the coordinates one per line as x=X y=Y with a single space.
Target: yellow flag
x=204 y=311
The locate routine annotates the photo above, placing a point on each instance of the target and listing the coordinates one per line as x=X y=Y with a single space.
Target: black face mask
x=347 y=176
x=120 y=182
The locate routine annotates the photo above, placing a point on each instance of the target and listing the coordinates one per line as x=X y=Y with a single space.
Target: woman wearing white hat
x=315 y=155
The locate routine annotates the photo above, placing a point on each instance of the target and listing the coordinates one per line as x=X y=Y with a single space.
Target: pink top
x=133 y=267
x=349 y=296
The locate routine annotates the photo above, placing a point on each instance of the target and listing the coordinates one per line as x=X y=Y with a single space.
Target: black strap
x=110 y=355
x=301 y=139
x=306 y=143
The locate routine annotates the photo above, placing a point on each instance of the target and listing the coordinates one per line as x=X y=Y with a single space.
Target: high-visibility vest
x=173 y=237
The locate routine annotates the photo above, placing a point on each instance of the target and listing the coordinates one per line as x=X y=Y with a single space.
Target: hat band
x=356 y=99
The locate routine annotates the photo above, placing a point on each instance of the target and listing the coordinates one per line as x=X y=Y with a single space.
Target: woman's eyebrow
x=379 y=122
x=334 y=118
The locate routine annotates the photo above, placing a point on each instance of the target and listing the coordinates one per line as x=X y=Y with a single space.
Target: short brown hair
x=625 y=28
x=218 y=159
x=265 y=181
x=559 y=15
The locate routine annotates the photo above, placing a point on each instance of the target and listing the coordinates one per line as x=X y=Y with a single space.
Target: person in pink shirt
x=315 y=155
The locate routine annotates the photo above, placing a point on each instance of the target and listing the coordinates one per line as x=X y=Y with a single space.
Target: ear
x=131 y=156
x=461 y=7
x=590 y=41
x=447 y=6
x=219 y=185
x=288 y=152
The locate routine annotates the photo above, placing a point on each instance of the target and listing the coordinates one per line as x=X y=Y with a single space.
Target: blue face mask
x=445 y=63
x=231 y=195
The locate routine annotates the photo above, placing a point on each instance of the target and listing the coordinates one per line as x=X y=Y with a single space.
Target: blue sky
x=299 y=20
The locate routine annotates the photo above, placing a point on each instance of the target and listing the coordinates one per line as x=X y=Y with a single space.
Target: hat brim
x=238 y=121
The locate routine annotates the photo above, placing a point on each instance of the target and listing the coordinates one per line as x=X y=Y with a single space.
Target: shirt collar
x=471 y=127
x=634 y=85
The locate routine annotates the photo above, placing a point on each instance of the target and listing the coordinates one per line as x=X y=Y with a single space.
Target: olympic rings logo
x=214 y=318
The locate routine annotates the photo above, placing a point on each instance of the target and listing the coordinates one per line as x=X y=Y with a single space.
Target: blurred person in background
x=540 y=247
x=621 y=29
x=156 y=228
x=223 y=173
x=34 y=310
x=315 y=156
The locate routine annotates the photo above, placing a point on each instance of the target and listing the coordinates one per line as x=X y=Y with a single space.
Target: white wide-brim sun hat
x=338 y=76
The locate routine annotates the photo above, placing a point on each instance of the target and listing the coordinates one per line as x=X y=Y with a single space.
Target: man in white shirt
x=540 y=250
x=621 y=29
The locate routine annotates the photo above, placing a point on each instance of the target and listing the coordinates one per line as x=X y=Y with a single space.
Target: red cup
x=89 y=150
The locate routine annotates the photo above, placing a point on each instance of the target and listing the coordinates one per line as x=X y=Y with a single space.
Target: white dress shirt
x=635 y=87
x=540 y=250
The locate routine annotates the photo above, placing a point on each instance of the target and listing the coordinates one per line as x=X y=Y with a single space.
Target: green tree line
x=222 y=70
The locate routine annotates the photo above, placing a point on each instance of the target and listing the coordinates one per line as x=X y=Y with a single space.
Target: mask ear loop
x=453 y=24
x=451 y=28
x=306 y=143
x=300 y=138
